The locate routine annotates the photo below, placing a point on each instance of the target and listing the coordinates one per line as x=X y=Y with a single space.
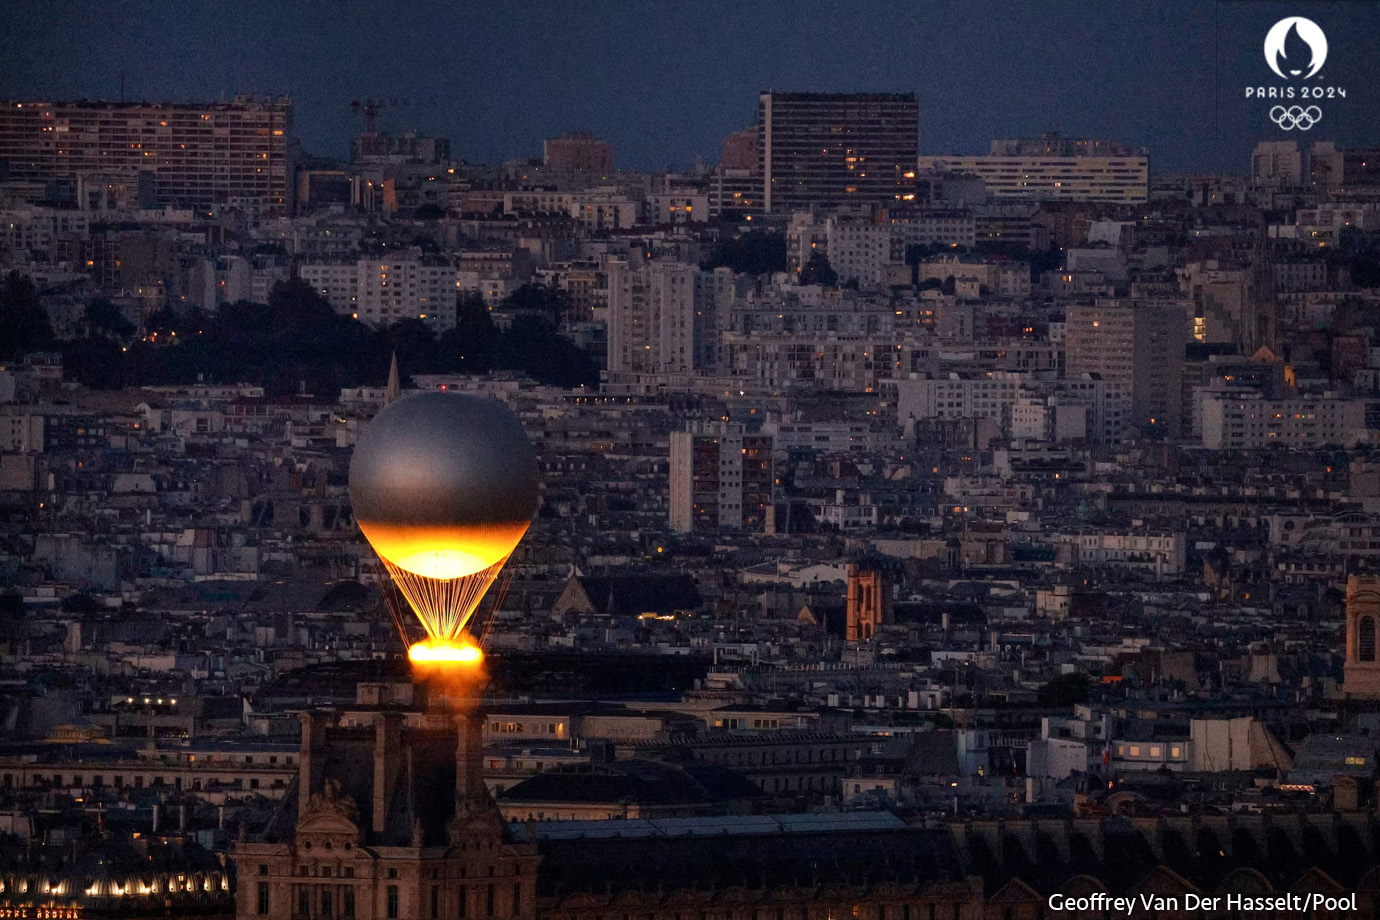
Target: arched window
x=1365 y=641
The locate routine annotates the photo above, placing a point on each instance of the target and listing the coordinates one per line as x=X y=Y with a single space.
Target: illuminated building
x=867 y=602
x=721 y=479
x=735 y=193
x=1346 y=168
x=394 y=822
x=1053 y=143
x=384 y=291
x=835 y=148
x=1052 y=178
x=1137 y=348
x=1362 y=670
x=664 y=317
x=221 y=156
x=390 y=822
x=736 y=185
x=1244 y=419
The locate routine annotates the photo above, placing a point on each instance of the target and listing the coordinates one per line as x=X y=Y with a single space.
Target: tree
x=470 y=345
x=104 y=318
x=818 y=271
x=299 y=308
x=551 y=302
x=755 y=253
x=96 y=362
x=23 y=321
x=533 y=347
x=415 y=345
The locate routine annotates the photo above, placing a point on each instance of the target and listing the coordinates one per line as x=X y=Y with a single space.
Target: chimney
x=387 y=746
x=469 y=759
x=311 y=759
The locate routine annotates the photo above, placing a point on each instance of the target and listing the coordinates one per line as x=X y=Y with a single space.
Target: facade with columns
x=391 y=822
x=387 y=823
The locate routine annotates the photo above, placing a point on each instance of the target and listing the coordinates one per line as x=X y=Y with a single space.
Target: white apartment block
x=861 y=252
x=537 y=201
x=720 y=478
x=605 y=209
x=1050 y=178
x=1248 y=421
x=1034 y=410
x=380 y=292
x=958 y=396
x=336 y=281
x=949 y=228
x=1157 y=553
x=38 y=228
x=839 y=363
x=1002 y=278
x=664 y=317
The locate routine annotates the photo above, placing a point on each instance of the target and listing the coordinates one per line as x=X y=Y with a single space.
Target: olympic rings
x=1296 y=117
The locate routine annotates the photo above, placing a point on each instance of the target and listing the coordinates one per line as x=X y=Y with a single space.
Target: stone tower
x=867 y=607
x=1362 y=675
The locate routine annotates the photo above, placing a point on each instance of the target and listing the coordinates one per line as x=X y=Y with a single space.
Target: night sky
x=665 y=81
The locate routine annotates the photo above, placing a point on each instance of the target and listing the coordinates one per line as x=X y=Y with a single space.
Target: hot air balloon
x=443 y=486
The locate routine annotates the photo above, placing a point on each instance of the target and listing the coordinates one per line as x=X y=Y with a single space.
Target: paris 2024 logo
x=1296 y=49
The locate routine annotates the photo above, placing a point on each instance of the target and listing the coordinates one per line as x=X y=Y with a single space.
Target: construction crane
x=369 y=108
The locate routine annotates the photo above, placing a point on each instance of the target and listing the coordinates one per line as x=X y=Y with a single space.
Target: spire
x=394 y=390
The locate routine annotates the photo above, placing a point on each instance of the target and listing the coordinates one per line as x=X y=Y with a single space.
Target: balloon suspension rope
x=497 y=597
x=443 y=605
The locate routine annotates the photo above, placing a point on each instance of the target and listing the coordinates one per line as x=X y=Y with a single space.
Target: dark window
x=263 y=869
x=435 y=902
x=303 y=900
x=1366 y=640
x=393 y=900
x=347 y=909
x=462 y=905
x=489 y=901
x=517 y=898
x=326 y=905
x=263 y=899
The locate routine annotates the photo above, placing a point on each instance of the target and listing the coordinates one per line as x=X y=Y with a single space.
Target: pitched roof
x=630 y=595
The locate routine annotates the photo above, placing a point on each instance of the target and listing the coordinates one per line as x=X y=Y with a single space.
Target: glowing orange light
x=444 y=552
x=445 y=653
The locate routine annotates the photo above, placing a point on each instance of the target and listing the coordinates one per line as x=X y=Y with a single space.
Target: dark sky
x=664 y=81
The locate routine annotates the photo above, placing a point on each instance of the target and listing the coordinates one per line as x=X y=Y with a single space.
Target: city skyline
x=666 y=86
x=955 y=497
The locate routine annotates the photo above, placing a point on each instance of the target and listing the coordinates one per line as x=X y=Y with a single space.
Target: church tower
x=867 y=607
x=1362 y=674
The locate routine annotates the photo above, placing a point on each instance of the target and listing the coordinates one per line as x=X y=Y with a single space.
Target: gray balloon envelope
x=438 y=458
